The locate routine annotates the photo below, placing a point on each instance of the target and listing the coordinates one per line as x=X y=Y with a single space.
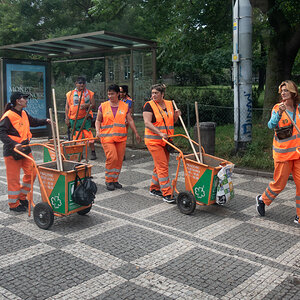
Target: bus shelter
x=128 y=60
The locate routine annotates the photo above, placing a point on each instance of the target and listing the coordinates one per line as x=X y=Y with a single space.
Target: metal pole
x=242 y=73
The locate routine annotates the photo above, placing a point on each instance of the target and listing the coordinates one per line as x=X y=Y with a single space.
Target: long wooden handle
x=180 y=118
x=74 y=126
x=54 y=138
x=292 y=121
x=83 y=123
x=198 y=131
x=57 y=132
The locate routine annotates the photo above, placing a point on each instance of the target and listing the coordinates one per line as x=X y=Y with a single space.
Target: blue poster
x=28 y=79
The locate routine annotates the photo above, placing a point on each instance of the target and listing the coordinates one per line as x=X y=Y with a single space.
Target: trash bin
x=207 y=134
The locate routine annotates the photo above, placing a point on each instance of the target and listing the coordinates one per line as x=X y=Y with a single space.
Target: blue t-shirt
x=128 y=101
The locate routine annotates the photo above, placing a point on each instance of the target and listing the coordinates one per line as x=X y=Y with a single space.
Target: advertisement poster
x=28 y=79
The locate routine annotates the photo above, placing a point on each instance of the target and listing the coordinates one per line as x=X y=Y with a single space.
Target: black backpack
x=84 y=192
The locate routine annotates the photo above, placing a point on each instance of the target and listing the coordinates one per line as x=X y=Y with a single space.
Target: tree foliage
x=194 y=36
x=282 y=42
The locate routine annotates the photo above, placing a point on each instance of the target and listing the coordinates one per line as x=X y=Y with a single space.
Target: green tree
x=282 y=43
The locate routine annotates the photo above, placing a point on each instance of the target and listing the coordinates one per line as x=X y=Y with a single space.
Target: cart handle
x=82 y=140
x=39 y=144
x=177 y=149
x=182 y=135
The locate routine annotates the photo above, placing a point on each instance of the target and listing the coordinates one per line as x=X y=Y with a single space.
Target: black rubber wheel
x=84 y=211
x=186 y=202
x=43 y=215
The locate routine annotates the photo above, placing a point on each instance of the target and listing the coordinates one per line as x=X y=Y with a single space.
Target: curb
x=256 y=173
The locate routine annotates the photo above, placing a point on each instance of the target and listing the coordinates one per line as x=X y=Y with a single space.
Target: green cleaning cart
x=56 y=189
x=201 y=179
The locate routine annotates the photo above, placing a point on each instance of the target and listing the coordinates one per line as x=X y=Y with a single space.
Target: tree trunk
x=281 y=57
x=274 y=76
x=283 y=45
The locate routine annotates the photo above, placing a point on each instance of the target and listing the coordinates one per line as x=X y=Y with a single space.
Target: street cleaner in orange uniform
x=112 y=131
x=15 y=132
x=286 y=158
x=159 y=117
x=83 y=97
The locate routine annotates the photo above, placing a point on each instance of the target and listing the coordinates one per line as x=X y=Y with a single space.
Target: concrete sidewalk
x=133 y=246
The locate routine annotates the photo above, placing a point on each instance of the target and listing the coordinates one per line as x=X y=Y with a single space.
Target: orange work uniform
x=113 y=136
x=156 y=146
x=286 y=161
x=15 y=129
x=74 y=98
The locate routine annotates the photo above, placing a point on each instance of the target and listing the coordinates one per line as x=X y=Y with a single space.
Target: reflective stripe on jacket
x=152 y=138
x=73 y=103
x=285 y=149
x=21 y=124
x=113 y=129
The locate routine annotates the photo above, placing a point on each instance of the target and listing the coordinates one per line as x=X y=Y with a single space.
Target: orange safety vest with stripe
x=113 y=129
x=74 y=101
x=21 y=124
x=162 y=117
x=285 y=149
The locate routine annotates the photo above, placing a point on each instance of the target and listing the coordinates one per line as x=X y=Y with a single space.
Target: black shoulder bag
x=84 y=193
x=286 y=131
x=168 y=147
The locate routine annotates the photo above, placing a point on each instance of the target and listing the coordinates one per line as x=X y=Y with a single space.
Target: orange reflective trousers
x=282 y=171
x=114 y=153
x=16 y=191
x=160 y=177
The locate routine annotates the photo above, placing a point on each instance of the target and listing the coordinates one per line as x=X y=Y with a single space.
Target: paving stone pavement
x=133 y=246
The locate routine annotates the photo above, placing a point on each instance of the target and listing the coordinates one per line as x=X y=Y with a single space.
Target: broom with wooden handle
x=186 y=132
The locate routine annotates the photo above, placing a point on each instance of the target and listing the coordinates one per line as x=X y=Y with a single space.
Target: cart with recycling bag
x=63 y=192
x=207 y=182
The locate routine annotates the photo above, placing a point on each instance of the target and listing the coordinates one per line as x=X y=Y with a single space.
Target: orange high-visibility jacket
x=21 y=124
x=73 y=103
x=152 y=138
x=285 y=149
x=113 y=129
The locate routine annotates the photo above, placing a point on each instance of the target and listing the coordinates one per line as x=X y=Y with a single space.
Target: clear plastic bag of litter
x=225 y=191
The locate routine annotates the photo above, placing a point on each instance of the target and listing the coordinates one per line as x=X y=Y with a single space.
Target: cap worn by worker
x=17 y=95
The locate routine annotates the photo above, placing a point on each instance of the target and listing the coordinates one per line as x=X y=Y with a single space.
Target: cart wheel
x=84 y=211
x=43 y=215
x=186 y=202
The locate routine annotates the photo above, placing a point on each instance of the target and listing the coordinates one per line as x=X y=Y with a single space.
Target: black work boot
x=260 y=206
x=110 y=186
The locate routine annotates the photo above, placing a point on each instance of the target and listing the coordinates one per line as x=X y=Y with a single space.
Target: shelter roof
x=81 y=44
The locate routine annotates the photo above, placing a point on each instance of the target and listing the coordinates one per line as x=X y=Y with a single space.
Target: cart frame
x=189 y=198
x=45 y=199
